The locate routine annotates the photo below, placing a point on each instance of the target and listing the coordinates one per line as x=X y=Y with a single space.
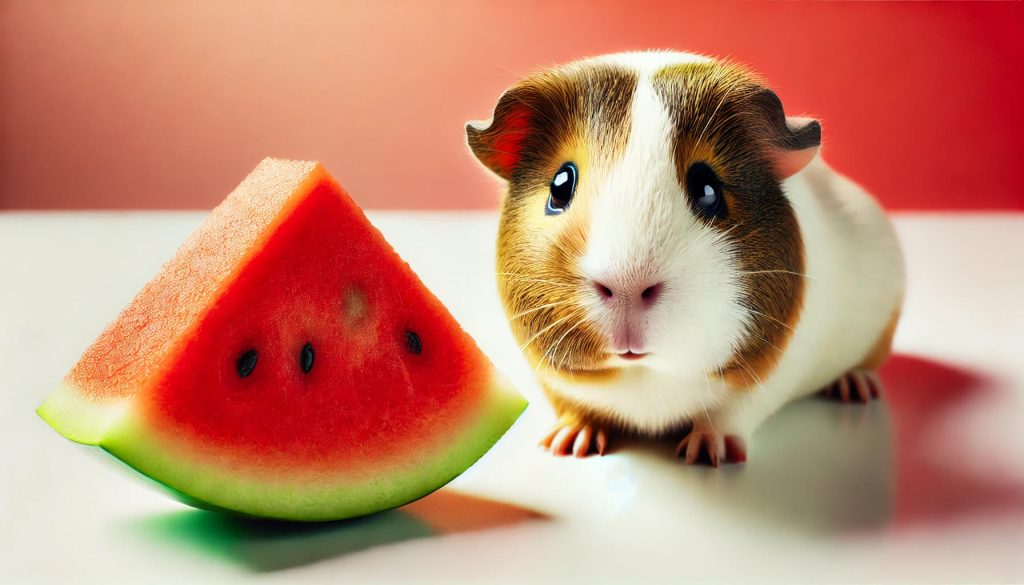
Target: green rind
x=81 y=419
x=201 y=484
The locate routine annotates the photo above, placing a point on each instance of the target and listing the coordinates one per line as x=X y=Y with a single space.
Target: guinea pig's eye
x=563 y=187
x=704 y=189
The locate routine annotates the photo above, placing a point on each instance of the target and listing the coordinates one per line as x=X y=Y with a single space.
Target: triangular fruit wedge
x=286 y=363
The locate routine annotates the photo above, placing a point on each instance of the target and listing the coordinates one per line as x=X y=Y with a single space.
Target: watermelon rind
x=320 y=497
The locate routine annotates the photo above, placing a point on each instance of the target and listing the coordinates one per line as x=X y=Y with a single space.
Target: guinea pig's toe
x=581 y=446
x=711 y=448
x=873 y=383
x=564 y=439
x=545 y=443
x=861 y=386
x=602 y=442
x=700 y=447
x=576 y=440
x=854 y=386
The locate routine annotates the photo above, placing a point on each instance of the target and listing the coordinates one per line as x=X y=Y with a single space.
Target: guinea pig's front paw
x=710 y=447
x=854 y=386
x=576 y=439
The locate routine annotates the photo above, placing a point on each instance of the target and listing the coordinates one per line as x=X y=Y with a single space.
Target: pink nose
x=628 y=300
x=635 y=296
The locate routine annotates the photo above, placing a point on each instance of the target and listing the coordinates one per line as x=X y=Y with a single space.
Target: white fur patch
x=643 y=228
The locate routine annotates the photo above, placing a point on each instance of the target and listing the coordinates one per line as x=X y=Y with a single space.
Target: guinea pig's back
x=854 y=269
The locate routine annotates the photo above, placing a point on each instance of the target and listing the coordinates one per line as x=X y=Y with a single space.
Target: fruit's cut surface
x=286 y=363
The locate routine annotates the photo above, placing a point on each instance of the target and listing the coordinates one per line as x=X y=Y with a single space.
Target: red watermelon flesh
x=286 y=363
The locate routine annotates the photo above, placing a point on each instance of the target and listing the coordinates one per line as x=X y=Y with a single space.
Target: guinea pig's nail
x=602 y=442
x=693 y=452
x=692 y=449
x=874 y=383
x=844 y=389
x=860 y=384
x=562 y=441
x=582 y=445
x=546 y=441
x=681 y=449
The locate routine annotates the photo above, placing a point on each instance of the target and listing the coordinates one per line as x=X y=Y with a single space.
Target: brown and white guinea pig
x=675 y=257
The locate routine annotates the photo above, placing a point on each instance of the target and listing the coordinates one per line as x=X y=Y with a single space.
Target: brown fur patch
x=883 y=347
x=538 y=117
x=725 y=117
x=579 y=114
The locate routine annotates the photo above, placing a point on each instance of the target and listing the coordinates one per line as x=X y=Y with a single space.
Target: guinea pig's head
x=644 y=223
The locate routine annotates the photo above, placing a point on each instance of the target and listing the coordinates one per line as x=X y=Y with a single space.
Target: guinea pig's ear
x=498 y=142
x=793 y=142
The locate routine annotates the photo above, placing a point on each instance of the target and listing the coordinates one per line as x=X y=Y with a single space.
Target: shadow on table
x=934 y=476
x=268 y=545
x=819 y=466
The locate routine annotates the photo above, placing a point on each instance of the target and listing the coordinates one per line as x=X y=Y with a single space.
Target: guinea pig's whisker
x=767 y=316
x=555 y=345
x=570 y=352
x=544 y=330
x=730 y=230
x=750 y=371
x=775 y=347
x=526 y=278
x=540 y=281
x=707 y=383
x=721 y=371
x=707 y=415
x=574 y=349
x=807 y=276
x=535 y=309
x=549 y=356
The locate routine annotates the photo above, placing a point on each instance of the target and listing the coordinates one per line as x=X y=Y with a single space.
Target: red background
x=125 y=104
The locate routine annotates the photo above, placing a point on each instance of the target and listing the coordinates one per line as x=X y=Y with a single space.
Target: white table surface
x=924 y=486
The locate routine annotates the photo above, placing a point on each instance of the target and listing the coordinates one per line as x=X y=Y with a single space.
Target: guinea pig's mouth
x=602 y=371
x=631 y=355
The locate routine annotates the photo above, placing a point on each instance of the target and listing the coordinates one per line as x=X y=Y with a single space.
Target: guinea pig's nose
x=639 y=293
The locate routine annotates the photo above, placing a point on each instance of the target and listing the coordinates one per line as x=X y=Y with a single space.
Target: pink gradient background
x=139 y=104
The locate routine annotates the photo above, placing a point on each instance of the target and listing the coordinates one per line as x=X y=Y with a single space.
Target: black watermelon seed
x=412 y=341
x=306 y=357
x=246 y=362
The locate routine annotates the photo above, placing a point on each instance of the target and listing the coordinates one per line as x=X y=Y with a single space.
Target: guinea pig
x=676 y=258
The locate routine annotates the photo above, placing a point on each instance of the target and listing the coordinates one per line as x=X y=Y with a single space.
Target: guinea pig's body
x=675 y=256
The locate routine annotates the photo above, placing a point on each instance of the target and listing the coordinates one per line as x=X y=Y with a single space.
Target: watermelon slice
x=287 y=364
